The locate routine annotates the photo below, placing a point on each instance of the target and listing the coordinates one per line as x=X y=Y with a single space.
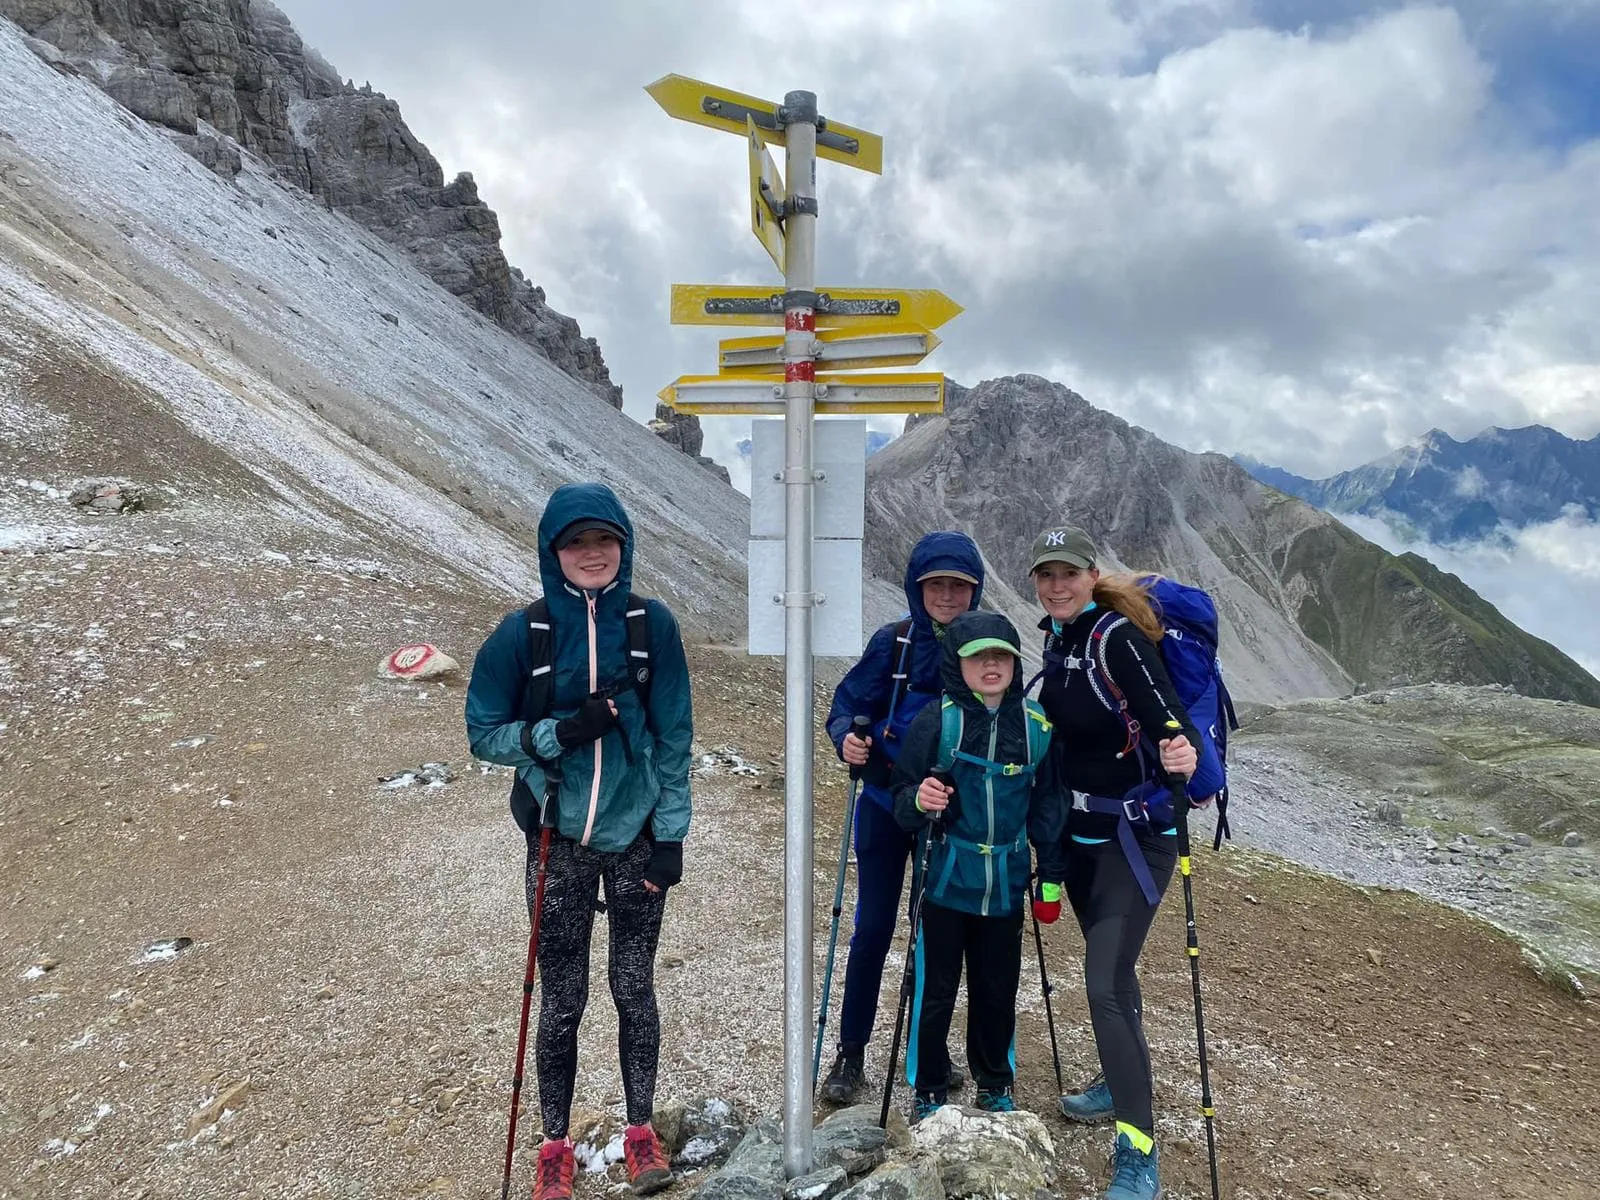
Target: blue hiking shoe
x=1091 y=1106
x=927 y=1103
x=1133 y=1172
x=996 y=1100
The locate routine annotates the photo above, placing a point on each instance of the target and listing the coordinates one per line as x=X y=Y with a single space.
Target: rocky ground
x=1475 y=796
x=194 y=738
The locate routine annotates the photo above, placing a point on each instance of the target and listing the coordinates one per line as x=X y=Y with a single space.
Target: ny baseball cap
x=1064 y=543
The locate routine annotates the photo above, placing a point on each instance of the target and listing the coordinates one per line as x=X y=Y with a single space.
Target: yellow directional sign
x=837 y=395
x=766 y=196
x=723 y=304
x=719 y=108
x=854 y=347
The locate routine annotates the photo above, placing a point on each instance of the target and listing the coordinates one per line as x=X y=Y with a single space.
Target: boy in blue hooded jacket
x=621 y=773
x=975 y=776
x=895 y=679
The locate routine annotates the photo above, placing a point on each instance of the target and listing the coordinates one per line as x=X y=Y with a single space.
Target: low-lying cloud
x=1546 y=577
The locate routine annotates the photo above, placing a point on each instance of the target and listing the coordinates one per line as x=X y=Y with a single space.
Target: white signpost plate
x=835 y=574
x=839 y=452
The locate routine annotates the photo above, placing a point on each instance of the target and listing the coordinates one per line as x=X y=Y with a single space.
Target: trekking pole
x=861 y=726
x=547 y=823
x=919 y=887
x=1180 y=806
x=1044 y=986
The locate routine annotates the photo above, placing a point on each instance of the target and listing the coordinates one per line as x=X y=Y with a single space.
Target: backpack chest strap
x=989 y=767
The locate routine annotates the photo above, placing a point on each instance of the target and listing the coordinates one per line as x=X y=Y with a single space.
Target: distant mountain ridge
x=1307 y=606
x=1444 y=491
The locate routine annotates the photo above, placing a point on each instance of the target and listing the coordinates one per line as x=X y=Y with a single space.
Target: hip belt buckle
x=1134 y=810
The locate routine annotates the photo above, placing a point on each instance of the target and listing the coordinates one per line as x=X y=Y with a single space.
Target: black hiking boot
x=847 y=1078
x=957 y=1077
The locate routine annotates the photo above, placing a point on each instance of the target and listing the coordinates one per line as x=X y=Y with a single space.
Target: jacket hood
x=573 y=502
x=970 y=626
x=944 y=550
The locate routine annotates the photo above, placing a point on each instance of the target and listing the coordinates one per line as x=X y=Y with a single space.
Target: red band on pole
x=800 y=372
x=801 y=320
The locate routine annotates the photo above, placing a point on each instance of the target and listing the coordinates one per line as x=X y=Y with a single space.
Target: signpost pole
x=799 y=117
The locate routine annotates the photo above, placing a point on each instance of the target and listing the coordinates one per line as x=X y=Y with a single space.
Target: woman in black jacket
x=1118 y=730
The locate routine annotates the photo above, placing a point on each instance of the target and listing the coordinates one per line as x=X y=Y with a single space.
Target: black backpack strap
x=640 y=671
x=538 y=696
x=899 y=673
x=1230 y=721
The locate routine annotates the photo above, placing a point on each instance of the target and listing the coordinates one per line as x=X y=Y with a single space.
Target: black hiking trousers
x=991 y=949
x=633 y=916
x=1115 y=919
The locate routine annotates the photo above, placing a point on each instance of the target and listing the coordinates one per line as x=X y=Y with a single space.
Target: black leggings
x=1115 y=917
x=992 y=950
x=634 y=919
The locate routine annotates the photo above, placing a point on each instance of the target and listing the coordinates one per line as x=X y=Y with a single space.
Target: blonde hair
x=1130 y=596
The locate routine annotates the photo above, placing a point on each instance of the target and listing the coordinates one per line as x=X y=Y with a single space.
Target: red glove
x=1047 y=903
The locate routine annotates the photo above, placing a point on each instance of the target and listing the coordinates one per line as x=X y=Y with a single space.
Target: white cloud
x=1307 y=242
x=1545 y=578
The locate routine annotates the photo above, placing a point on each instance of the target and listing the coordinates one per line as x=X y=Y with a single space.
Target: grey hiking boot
x=957 y=1077
x=1092 y=1105
x=847 y=1078
x=1133 y=1172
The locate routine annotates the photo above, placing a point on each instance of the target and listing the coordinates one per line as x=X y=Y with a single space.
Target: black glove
x=666 y=865
x=593 y=721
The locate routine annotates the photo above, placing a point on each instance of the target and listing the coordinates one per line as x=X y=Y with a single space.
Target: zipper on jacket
x=988 y=788
x=594 y=686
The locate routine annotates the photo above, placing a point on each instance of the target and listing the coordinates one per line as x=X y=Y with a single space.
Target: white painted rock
x=421 y=660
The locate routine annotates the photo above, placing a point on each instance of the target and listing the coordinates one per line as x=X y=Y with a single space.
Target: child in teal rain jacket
x=974 y=776
x=613 y=748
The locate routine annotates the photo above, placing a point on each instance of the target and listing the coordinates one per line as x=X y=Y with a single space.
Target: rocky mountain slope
x=275 y=372
x=1475 y=796
x=1443 y=491
x=1308 y=607
x=232 y=77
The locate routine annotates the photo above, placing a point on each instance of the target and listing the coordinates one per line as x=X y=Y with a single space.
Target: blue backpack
x=1189 y=652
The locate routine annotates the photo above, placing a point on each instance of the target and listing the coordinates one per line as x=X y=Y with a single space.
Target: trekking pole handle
x=949 y=780
x=862 y=727
x=552 y=793
x=1179 y=787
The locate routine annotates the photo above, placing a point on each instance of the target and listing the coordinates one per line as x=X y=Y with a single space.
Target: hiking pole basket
x=1044 y=986
x=907 y=978
x=1180 y=807
x=861 y=727
x=547 y=822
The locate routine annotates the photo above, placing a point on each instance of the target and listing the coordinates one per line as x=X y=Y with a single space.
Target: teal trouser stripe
x=916 y=1013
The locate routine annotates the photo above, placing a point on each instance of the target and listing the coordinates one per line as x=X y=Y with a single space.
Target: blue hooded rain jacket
x=868 y=688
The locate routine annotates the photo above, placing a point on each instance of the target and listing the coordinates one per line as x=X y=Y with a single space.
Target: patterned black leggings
x=634 y=919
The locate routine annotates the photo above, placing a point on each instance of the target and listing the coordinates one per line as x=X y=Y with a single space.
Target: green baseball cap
x=1064 y=543
x=979 y=645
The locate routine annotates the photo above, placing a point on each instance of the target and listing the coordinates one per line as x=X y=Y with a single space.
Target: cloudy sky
x=1304 y=231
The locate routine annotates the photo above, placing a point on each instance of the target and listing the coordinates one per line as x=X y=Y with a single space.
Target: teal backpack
x=973 y=867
